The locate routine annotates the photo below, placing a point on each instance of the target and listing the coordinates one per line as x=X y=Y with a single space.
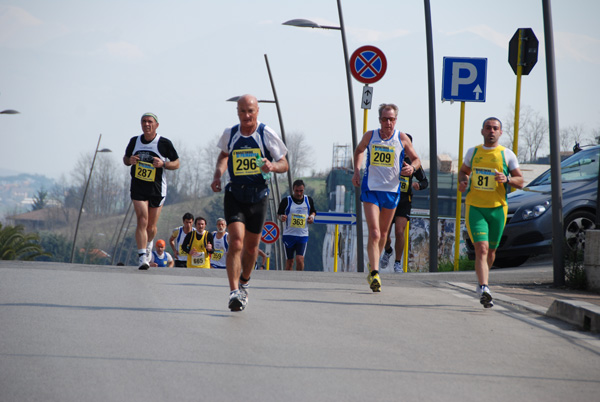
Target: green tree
x=56 y=246
x=40 y=199
x=17 y=245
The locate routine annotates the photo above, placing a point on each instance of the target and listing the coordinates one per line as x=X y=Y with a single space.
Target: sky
x=77 y=69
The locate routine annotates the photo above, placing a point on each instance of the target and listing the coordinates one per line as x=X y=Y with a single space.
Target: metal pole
x=360 y=259
x=558 y=237
x=83 y=199
x=289 y=174
x=112 y=261
x=433 y=170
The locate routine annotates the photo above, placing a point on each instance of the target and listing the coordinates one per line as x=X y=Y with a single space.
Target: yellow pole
x=365 y=118
x=518 y=97
x=406 y=236
x=335 y=248
x=458 y=193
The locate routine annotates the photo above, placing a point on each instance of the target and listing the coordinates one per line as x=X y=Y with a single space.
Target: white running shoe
x=143 y=262
x=398 y=268
x=385 y=259
x=237 y=300
x=485 y=296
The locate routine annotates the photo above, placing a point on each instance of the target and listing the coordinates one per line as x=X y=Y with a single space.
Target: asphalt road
x=86 y=333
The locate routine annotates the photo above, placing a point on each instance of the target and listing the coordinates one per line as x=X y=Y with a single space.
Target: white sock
x=149 y=245
x=141 y=251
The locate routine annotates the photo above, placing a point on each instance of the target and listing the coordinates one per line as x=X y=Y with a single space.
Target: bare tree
x=298 y=153
x=533 y=133
x=571 y=135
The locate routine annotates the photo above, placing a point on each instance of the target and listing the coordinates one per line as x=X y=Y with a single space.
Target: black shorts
x=403 y=208
x=180 y=264
x=153 y=202
x=251 y=215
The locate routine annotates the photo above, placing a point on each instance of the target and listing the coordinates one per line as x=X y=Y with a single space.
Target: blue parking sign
x=464 y=79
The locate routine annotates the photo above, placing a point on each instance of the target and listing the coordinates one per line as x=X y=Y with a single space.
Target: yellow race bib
x=382 y=155
x=145 y=171
x=217 y=255
x=298 y=221
x=244 y=162
x=484 y=179
x=404 y=184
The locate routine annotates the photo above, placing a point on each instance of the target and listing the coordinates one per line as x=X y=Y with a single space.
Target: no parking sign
x=368 y=64
x=270 y=232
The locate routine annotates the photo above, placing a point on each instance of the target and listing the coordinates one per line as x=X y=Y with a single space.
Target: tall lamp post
x=302 y=23
x=85 y=193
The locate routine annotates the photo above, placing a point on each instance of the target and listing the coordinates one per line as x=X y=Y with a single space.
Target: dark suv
x=528 y=230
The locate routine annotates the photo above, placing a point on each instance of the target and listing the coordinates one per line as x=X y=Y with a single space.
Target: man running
x=148 y=155
x=221 y=239
x=380 y=190
x=250 y=151
x=177 y=237
x=296 y=211
x=485 y=175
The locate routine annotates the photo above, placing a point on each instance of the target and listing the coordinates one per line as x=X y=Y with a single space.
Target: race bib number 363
x=382 y=155
x=244 y=162
x=298 y=221
x=145 y=171
x=484 y=179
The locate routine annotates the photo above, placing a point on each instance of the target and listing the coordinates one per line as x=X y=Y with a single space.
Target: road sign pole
x=518 y=95
x=461 y=138
x=335 y=247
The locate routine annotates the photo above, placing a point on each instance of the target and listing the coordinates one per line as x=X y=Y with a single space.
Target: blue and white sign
x=335 y=218
x=464 y=79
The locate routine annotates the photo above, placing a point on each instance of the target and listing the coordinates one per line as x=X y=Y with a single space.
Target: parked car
x=528 y=230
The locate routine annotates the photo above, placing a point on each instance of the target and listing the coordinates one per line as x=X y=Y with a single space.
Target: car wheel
x=575 y=226
x=507 y=262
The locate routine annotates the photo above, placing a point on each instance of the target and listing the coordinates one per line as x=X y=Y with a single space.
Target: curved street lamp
x=84 y=194
x=303 y=23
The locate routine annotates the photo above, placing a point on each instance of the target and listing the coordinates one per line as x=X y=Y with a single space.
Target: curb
x=584 y=315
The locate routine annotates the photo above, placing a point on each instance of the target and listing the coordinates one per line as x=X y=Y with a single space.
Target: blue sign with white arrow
x=335 y=218
x=464 y=79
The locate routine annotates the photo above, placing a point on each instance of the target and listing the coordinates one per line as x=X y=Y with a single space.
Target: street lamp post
x=85 y=193
x=303 y=23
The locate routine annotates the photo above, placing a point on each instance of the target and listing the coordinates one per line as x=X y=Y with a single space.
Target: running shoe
x=374 y=282
x=385 y=259
x=143 y=261
x=244 y=289
x=398 y=267
x=237 y=300
x=485 y=297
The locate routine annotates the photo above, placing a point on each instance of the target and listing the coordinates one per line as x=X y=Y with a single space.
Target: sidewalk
x=578 y=308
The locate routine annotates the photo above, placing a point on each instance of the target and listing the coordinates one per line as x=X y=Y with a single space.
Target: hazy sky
x=75 y=69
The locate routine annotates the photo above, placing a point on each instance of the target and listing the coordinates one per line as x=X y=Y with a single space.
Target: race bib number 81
x=382 y=155
x=484 y=179
x=244 y=162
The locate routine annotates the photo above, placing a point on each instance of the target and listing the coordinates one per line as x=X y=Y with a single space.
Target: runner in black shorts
x=402 y=216
x=249 y=152
x=148 y=155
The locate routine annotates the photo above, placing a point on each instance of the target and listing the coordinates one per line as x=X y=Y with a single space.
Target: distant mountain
x=8 y=172
x=17 y=190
